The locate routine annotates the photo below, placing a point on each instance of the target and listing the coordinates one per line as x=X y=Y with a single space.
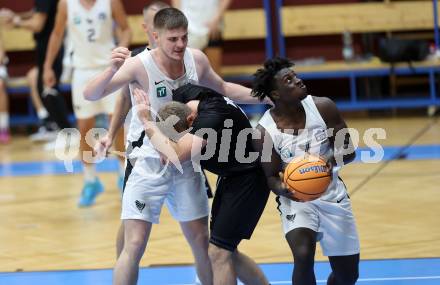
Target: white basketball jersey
x=91 y=33
x=159 y=92
x=313 y=139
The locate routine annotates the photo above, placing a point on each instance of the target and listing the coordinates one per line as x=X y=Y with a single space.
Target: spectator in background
x=4 y=113
x=205 y=22
x=47 y=130
x=40 y=21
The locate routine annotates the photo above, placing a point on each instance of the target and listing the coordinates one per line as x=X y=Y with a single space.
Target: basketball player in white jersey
x=90 y=27
x=192 y=229
x=299 y=124
x=158 y=72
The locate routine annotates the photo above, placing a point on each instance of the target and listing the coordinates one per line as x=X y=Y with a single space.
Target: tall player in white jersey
x=195 y=231
x=90 y=27
x=169 y=65
x=299 y=124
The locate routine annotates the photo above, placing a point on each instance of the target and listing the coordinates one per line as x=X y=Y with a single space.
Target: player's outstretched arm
x=208 y=78
x=122 y=107
x=120 y=73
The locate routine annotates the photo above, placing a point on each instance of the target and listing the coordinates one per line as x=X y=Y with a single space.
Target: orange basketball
x=308 y=176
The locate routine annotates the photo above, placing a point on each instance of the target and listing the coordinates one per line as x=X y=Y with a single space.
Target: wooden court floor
x=395 y=203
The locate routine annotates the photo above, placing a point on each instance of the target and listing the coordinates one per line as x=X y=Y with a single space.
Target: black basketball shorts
x=238 y=204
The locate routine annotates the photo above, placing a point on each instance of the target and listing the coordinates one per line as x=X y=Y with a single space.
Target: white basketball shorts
x=150 y=184
x=83 y=108
x=334 y=222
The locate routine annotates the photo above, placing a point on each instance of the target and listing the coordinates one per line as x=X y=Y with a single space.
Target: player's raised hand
x=118 y=57
x=142 y=104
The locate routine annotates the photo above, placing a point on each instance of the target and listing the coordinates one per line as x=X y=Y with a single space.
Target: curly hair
x=264 y=81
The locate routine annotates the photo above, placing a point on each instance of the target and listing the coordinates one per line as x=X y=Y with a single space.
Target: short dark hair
x=264 y=79
x=169 y=19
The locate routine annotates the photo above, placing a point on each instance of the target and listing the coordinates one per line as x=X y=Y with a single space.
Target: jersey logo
x=77 y=20
x=157 y=82
x=320 y=135
x=102 y=16
x=161 y=91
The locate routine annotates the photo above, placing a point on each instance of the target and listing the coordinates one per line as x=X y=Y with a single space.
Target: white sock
x=4 y=120
x=42 y=114
x=89 y=172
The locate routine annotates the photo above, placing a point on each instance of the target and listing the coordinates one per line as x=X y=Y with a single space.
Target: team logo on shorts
x=139 y=205
x=291 y=218
x=161 y=91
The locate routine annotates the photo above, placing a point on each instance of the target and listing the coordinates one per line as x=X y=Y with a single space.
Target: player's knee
x=346 y=277
x=304 y=256
x=135 y=246
x=199 y=239
x=218 y=255
x=2 y=84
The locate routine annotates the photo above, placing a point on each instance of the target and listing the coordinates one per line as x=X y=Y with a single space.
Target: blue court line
x=57 y=167
x=424 y=271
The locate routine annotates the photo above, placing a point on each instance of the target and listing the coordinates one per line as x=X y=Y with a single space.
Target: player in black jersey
x=221 y=129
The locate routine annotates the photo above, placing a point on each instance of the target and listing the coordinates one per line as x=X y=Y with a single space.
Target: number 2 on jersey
x=91 y=35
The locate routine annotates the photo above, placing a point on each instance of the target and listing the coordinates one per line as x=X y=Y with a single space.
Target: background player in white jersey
x=166 y=67
x=300 y=123
x=90 y=28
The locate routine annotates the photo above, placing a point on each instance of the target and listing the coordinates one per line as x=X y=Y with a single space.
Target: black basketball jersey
x=233 y=141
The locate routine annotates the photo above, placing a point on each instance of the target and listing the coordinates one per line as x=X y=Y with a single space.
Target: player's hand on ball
x=118 y=57
x=283 y=189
